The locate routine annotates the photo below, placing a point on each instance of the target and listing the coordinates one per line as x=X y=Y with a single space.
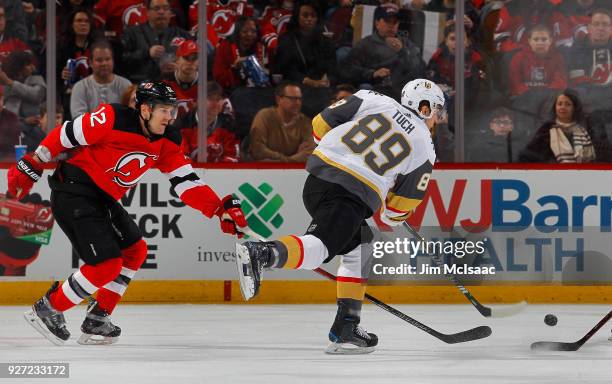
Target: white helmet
x=419 y=90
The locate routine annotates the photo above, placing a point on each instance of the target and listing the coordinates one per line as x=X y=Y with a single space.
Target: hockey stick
x=508 y=310
x=454 y=338
x=559 y=346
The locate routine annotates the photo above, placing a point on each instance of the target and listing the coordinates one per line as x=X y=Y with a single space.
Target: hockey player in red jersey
x=110 y=150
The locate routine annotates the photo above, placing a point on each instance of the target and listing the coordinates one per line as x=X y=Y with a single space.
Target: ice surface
x=284 y=344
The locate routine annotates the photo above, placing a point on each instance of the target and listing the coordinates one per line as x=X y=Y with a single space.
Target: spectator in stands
x=518 y=16
x=9 y=131
x=578 y=15
x=228 y=68
x=24 y=90
x=383 y=60
x=222 y=145
x=77 y=37
x=590 y=62
x=441 y=69
x=537 y=66
x=494 y=142
x=304 y=54
x=471 y=18
x=114 y=16
x=568 y=137
x=148 y=49
x=103 y=86
x=32 y=135
x=15 y=17
x=342 y=91
x=9 y=39
x=274 y=21
x=282 y=133
x=184 y=80
x=129 y=96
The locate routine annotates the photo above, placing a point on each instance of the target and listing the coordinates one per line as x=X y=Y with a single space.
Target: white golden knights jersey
x=375 y=148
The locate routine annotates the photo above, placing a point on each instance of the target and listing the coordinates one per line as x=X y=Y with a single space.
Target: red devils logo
x=134 y=15
x=131 y=167
x=223 y=21
x=44 y=215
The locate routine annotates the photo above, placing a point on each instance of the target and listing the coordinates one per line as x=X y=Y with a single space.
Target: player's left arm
x=188 y=186
x=407 y=193
x=338 y=113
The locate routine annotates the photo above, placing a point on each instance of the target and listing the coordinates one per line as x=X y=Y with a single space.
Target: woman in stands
x=569 y=136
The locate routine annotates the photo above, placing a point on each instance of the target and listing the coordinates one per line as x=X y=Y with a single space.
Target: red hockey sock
x=133 y=257
x=84 y=283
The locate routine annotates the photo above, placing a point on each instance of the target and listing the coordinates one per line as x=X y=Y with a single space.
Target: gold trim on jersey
x=350 y=172
x=401 y=203
x=319 y=127
x=350 y=290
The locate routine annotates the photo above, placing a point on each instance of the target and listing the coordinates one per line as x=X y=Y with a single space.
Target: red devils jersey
x=274 y=22
x=117 y=14
x=109 y=145
x=186 y=95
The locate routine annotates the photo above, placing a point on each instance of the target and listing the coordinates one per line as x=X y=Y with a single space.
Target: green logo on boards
x=261 y=208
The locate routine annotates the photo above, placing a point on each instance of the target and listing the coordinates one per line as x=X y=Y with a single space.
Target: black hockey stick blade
x=453 y=338
x=565 y=347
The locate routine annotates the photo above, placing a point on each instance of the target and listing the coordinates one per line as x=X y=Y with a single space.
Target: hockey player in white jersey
x=374 y=154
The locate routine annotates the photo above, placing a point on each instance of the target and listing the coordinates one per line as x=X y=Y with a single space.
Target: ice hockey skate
x=346 y=336
x=47 y=320
x=251 y=258
x=97 y=327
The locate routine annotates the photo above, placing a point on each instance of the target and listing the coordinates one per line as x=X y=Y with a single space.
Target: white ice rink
x=178 y=344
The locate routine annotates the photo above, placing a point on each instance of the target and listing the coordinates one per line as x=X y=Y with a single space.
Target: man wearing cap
x=103 y=86
x=184 y=79
x=384 y=60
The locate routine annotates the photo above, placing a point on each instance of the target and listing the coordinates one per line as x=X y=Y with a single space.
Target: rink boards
x=552 y=227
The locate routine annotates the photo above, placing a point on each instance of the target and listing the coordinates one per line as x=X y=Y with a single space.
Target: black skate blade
x=87 y=339
x=32 y=318
x=347 y=349
x=243 y=266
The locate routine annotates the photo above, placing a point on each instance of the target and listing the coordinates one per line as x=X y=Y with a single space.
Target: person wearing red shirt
x=111 y=150
x=519 y=16
x=184 y=80
x=538 y=66
x=227 y=66
x=222 y=144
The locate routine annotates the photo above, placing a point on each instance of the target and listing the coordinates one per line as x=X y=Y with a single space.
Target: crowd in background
x=538 y=73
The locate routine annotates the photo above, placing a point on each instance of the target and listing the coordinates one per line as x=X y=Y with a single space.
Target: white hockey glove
x=392 y=218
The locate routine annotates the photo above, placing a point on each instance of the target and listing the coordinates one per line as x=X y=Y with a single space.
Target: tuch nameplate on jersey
x=403 y=121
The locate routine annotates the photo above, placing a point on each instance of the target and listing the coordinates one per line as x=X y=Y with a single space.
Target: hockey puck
x=550 y=320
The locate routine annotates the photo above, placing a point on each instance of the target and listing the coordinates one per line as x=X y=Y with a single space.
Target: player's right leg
x=97 y=327
x=346 y=336
x=86 y=223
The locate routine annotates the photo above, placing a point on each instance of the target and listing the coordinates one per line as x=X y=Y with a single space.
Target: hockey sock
x=350 y=282
x=298 y=252
x=84 y=283
x=111 y=293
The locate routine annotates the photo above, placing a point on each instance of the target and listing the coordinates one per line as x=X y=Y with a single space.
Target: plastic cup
x=20 y=150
